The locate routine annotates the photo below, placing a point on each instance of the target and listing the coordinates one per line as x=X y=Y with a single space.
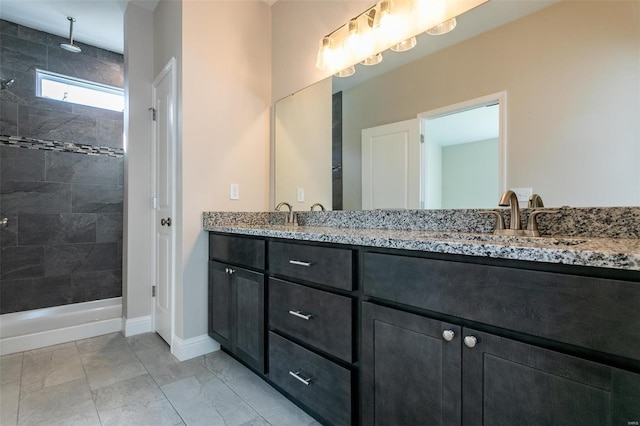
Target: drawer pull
x=302 y=379
x=299 y=263
x=299 y=314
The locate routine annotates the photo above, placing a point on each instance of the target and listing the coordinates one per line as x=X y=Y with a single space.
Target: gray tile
x=21 y=262
x=30 y=34
x=109 y=56
x=106 y=342
x=269 y=403
x=77 y=258
x=140 y=389
x=56 y=125
x=9 y=234
x=22 y=164
x=10 y=368
x=209 y=402
x=111 y=366
x=165 y=368
x=10 y=393
x=225 y=367
x=81 y=168
x=97 y=285
x=8 y=117
x=50 y=366
x=22 y=54
x=38 y=229
x=151 y=413
x=85 y=67
x=8 y=27
x=97 y=198
x=109 y=132
x=94 y=112
x=35 y=197
x=33 y=293
x=109 y=227
x=145 y=341
x=121 y=173
x=65 y=404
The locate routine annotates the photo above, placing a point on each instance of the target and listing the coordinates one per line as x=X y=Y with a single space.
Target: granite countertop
x=617 y=253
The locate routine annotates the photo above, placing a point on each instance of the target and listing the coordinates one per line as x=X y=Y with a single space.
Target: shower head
x=5 y=83
x=70 y=47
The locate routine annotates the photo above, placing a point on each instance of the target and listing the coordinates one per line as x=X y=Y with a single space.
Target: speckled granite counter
x=617 y=253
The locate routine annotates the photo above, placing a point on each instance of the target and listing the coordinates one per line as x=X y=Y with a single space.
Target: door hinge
x=421 y=138
x=153 y=113
x=153 y=291
x=154 y=202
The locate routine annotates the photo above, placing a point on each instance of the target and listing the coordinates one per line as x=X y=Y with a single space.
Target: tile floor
x=112 y=380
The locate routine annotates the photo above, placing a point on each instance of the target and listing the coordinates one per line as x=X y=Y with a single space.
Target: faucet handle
x=499 y=218
x=532 y=223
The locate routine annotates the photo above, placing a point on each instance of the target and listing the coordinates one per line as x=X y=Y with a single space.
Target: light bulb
x=326 y=55
x=349 y=71
x=372 y=60
x=405 y=45
x=443 y=27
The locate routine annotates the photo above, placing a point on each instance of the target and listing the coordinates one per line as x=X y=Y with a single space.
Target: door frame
x=501 y=99
x=169 y=68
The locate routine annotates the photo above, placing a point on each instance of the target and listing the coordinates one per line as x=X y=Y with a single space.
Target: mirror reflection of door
x=460 y=161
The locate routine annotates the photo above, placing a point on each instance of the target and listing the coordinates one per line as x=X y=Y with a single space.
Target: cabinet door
x=249 y=316
x=511 y=383
x=410 y=374
x=220 y=299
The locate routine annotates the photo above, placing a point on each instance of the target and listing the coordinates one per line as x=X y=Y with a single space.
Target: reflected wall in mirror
x=572 y=80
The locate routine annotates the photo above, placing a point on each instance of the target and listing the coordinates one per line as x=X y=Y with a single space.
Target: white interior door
x=164 y=131
x=391 y=166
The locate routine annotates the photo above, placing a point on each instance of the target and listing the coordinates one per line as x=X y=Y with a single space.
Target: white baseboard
x=41 y=339
x=193 y=347
x=139 y=325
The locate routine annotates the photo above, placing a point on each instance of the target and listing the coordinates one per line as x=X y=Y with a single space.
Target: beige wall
x=303 y=125
x=226 y=98
x=137 y=260
x=572 y=80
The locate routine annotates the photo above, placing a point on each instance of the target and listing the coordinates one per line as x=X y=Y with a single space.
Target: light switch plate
x=300 y=195
x=234 y=191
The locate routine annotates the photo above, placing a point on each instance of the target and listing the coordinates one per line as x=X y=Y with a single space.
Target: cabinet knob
x=448 y=335
x=226 y=270
x=470 y=341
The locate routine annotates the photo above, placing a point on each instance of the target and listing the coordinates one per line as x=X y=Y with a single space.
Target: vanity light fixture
x=390 y=24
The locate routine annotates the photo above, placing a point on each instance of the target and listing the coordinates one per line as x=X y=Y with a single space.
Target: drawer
x=595 y=313
x=323 y=386
x=319 y=318
x=322 y=265
x=238 y=250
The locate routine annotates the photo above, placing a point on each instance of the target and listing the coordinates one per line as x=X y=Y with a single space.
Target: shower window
x=70 y=89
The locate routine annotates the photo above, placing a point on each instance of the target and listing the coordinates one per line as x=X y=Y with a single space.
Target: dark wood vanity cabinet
x=237 y=298
x=415 y=367
x=391 y=337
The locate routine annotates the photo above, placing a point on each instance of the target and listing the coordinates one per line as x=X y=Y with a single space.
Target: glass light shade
x=347 y=72
x=405 y=45
x=325 y=54
x=372 y=60
x=443 y=27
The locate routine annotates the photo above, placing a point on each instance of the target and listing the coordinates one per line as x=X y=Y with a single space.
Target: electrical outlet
x=234 y=191
x=523 y=194
x=300 y=193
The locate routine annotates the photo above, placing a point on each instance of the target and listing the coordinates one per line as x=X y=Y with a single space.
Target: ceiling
x=98 y=22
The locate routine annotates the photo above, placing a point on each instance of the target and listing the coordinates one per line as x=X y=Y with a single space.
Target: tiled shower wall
x=64 y=240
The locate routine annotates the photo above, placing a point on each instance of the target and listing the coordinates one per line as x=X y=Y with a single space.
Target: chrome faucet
x=318 y=205
x=290 y=214
x=510 y=199
x=535 y=201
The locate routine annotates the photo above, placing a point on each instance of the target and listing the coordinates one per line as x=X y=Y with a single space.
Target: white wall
x=226 y=98
x=303 y=127
x=138 y=61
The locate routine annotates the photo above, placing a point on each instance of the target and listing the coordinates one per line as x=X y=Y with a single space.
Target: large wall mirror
x=570 y=74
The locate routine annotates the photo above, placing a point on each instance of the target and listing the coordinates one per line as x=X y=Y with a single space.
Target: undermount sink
x=505 y=239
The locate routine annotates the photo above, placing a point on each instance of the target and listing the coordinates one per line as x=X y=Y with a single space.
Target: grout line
x=20 y=388
x=86 y=378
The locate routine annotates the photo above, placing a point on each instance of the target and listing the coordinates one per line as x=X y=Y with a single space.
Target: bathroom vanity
x=375 y=326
